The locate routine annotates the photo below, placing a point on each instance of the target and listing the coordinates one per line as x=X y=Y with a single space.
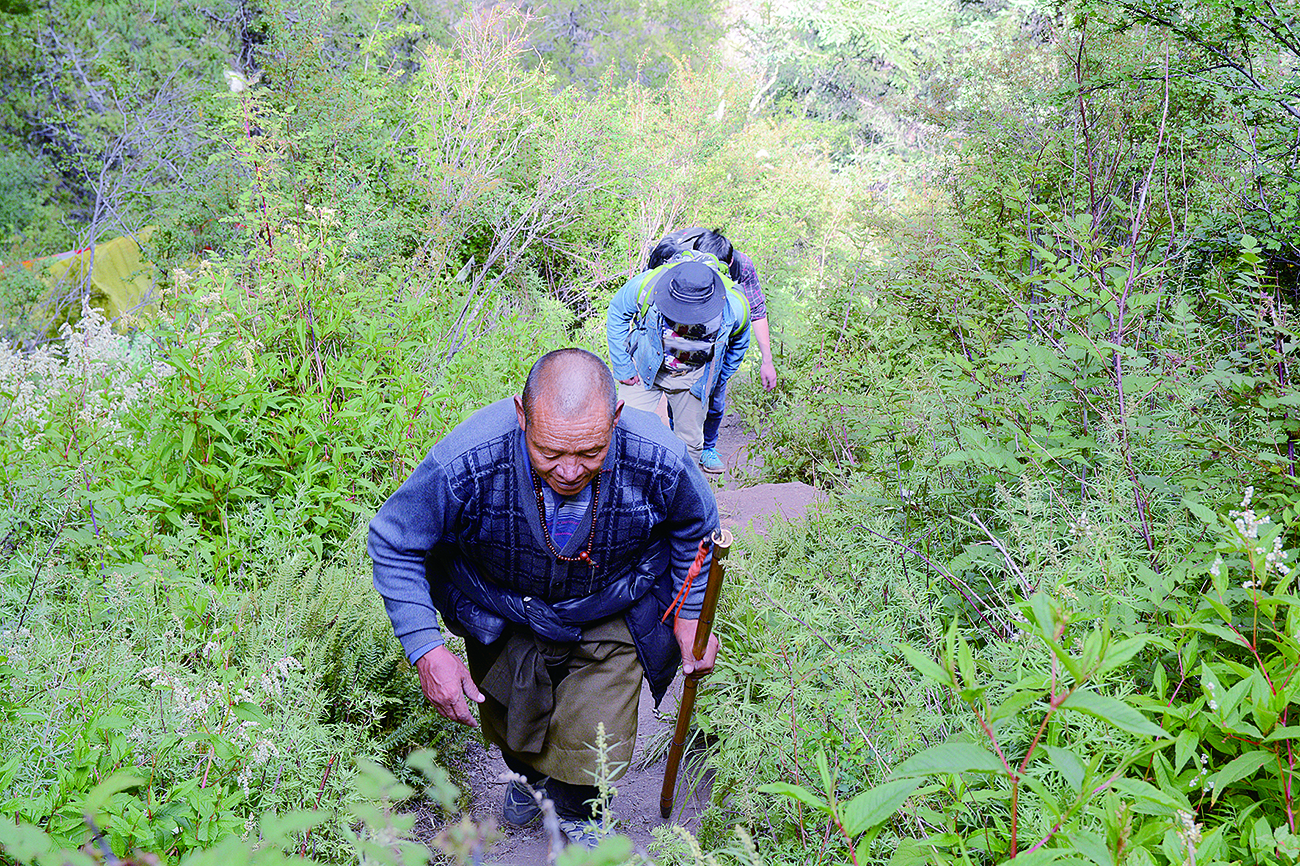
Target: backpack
x=680 y=241
x=685 y=239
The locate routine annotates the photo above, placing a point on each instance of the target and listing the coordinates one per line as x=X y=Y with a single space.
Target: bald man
x=552 y=531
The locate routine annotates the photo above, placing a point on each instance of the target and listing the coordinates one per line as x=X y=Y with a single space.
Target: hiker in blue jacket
x=740 y=268
x=553 y=532
x=681 y=331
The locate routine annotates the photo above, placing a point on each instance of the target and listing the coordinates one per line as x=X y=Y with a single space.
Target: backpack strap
x=742 y=322
x=645 y=297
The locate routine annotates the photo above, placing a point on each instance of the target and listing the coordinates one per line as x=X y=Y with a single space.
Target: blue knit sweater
x=472 y=502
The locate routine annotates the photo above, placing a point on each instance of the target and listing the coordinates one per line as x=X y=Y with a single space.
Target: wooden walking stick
x=721 y=544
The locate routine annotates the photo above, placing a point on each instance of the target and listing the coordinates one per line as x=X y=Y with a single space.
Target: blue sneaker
x=518 y=807
x=710 y=462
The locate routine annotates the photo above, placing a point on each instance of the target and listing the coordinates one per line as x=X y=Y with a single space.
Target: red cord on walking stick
x=691 y=573
x=721 y=544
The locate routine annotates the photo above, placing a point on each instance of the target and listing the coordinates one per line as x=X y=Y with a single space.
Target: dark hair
x=717 y=245
x=568 y=377
x=663 y=251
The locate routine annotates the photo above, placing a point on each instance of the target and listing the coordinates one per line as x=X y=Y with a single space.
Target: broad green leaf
x=1093 y=846
x=251 y=713
x=209 y=420
x=1261 y=839
x=1067 y=763
x=1211 y=848
x=1219 y=607
x=824 y=770
x=876 y=805
x=112 y=723
x=283 y=829
x=1113 y=712
x=104 y=791
x=1016 y=701
x=1184 y=748
x=1240 y=768
x=1150 y=800
x=966 y=663
x=951 y=758
x=1263 y=701
x=1219 y=631
x=925 y=665
x=1210 y=684
x=1045 y=799
x=864 y=846
x=1290 y=732
x=24 y=842
x=912 y=852
x=1230 y=704
x=1121 y=653
x=797 y=792
x=1042 y=610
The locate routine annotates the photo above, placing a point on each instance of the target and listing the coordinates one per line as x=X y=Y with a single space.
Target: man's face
x=567 y=453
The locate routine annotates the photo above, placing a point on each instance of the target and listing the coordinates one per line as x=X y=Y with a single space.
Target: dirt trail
x=637 y=805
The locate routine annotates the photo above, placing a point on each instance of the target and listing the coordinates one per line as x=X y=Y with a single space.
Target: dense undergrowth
x=1035 y=339
x=1051 y=615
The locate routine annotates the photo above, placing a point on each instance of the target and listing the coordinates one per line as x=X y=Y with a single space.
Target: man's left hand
x=684 y=631
x=767 y=372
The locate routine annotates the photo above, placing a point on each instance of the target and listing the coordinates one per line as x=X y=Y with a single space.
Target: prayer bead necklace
x=583 y=555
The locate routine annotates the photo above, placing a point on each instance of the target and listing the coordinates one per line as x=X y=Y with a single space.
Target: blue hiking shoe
x=518 y=807
x=710 y=462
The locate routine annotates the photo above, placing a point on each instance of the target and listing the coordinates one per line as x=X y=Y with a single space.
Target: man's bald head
x=566 y=382
x=567 y=413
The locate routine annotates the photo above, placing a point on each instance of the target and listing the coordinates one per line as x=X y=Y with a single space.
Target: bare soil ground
x=741 y=504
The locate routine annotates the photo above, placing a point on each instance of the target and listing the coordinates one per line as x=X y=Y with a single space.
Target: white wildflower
x=1245 y=519
x=1189 y=832
x=1276 y=558
x=1082 y=527
x=286 y=664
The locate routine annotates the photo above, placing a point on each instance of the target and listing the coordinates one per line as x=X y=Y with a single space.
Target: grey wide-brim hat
x=690 y=293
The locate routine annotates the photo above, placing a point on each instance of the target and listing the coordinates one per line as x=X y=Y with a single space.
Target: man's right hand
x=446 y=683
x=635 y=378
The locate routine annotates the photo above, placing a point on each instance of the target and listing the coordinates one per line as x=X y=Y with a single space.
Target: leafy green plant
x=858 y=820
x=1226 y=688
x=1017 y=780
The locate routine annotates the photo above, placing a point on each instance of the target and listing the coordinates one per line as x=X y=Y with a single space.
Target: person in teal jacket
x=680 y=331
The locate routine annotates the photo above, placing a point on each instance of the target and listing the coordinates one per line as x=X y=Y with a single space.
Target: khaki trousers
x=603 y=684
x=688 y=411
